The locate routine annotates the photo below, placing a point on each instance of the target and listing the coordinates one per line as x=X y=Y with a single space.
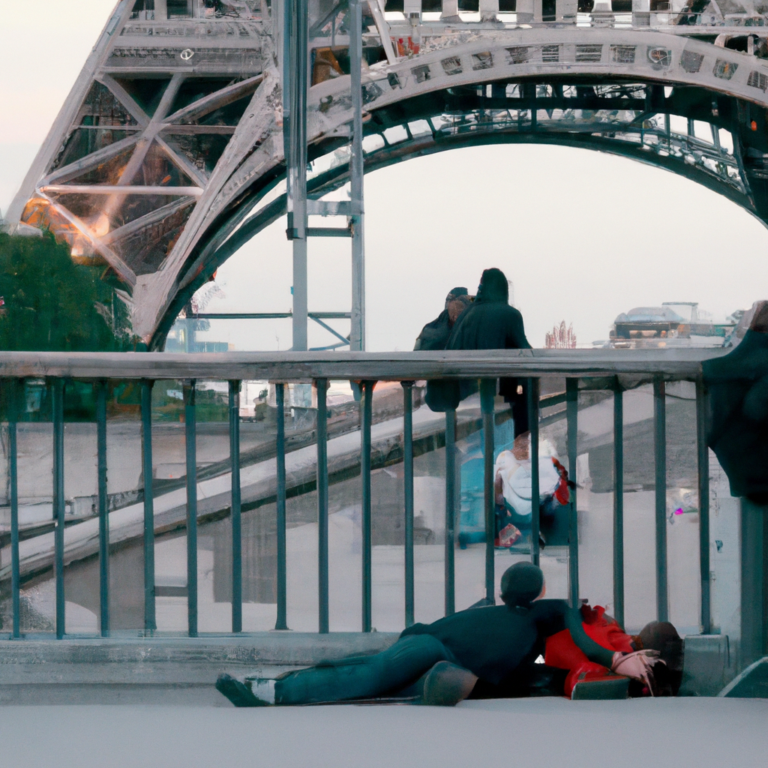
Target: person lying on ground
x=440 y=663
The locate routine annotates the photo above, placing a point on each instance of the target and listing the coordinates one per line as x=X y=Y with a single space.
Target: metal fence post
x=702 y=398
x=533 y=421
x=282 y=580
x=572 y=418
x=450 y=512
x=660 y=456
x=409 y=502
x=101 y=440
x=59 y=502
x=150 y=620
x=190 y=423
x=487 y=395
x=15 y=386
x=237 y=529
x=618 y=503
x=322 y=504
x=365 y=462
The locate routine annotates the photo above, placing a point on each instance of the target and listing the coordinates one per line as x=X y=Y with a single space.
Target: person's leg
x=365 y=676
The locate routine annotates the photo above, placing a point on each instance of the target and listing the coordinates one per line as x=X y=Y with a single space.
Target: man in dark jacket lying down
x=441 y=662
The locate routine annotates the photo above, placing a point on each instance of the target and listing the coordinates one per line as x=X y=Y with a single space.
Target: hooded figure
x=434 y=335
x=738 y=423
x=490 y=323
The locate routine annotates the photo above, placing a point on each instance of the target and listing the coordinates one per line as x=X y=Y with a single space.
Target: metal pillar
x=295 y=58
x=295 y=87
x=357 y=220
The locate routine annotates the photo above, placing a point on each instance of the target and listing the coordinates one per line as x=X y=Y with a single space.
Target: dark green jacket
x=492 y=642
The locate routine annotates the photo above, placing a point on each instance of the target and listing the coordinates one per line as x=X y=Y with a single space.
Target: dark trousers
x=364 y=677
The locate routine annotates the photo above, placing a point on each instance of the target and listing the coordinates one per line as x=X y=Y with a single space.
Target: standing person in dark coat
x=490 y=323
x=434 y=335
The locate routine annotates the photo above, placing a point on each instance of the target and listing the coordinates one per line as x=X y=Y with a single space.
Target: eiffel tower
x=189 y=113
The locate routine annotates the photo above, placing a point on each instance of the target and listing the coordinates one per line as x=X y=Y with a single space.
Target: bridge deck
x=555 y=732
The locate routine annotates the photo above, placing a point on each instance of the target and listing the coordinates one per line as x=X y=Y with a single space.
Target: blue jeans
x=363 y=677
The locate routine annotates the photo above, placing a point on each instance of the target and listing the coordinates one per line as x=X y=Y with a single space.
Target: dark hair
x=521 y=584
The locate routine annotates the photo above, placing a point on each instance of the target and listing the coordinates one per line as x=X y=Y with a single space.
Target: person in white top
x=513 y=488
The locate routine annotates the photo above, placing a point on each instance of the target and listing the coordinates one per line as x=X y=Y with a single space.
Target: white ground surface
x=679 y=733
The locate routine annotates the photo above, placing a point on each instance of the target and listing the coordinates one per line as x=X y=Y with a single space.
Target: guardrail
x=604 y=369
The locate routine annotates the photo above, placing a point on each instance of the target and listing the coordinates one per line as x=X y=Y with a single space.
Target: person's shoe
x=243 y=696
x=600 y=688
x=446 y=684
x=508 y=536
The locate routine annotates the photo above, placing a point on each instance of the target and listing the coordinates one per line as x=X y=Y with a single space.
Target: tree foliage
x=55 y=305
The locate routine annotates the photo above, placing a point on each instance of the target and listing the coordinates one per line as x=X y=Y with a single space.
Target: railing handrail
x=681 y=363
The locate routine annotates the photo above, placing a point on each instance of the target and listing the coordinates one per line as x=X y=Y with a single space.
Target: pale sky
x=583 y=235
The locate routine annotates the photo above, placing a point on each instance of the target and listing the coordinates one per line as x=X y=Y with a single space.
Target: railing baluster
x=282 y=577
x=533 y=421
x=487 y=394
x=322 y=504
x=15 y=386
x=101 y=450
x=618 y=503
x=408 y=482
x=365 y=461
x=660 y=460
x=59 y=502
x=237 y=530
x=703 y=469
x=450 y=513
x=150 y=620
x=190 y=423
x=572 y=418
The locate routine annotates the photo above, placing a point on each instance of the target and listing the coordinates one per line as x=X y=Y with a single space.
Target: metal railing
x=615 y=370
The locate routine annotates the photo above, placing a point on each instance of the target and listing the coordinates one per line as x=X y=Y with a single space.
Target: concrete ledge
x=172 y=661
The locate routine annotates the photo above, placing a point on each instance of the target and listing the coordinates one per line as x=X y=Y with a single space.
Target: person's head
x=493 y=286
x=521 y=584
x=454 y=294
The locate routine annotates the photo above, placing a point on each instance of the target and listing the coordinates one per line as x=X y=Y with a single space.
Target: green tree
x=54 y=305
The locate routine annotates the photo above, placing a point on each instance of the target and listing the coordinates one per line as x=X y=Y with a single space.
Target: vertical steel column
x=365 y=469
x=408 y=482
x=101 y=442
x=450 y=513
x=572 y=417
x=702 y=402
x=660 y=460
x=357 y=221
x=237 y=529
x=296 y=77
x=150 y=620
x=59 y=502
x=533 y=421
x=322 y=504
x=618 y=503
x=487 y=394
x=15 y=386
x=282 y=579
x=190 y=423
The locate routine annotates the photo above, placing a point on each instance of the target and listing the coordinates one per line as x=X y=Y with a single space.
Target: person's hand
x=637 y=666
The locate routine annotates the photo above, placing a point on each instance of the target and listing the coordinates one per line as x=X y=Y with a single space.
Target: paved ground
x=705 y=733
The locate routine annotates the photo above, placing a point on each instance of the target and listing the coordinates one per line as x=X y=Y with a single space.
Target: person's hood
x=493 y=289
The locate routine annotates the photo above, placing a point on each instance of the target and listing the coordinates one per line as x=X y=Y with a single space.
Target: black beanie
x=521 y=584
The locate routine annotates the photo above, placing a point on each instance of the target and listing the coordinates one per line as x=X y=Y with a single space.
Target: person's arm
x=585 y=643
x=516 y=336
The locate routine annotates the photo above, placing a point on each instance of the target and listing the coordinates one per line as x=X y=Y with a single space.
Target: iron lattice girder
x=195 y=107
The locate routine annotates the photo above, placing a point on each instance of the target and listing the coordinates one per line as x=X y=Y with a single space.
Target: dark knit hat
x=521 y=584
